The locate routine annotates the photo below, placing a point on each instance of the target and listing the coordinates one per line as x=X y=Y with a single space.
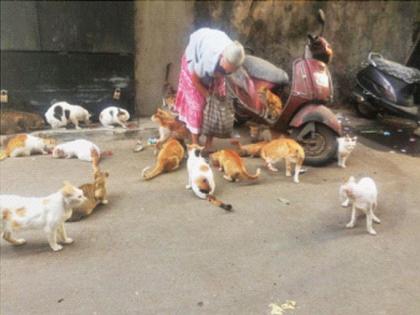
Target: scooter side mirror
x=321 y=16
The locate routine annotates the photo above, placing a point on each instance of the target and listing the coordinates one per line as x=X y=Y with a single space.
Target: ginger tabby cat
x=232 y=165
x=252 y=150
x=287 y=149
x=168 y=159
x=95 y=192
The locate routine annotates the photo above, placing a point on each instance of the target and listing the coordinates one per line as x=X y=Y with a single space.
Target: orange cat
x=95 y=192
x=253 y=149
x=287 y=149
x=272 y=101
x=231 y=163
x=25 y=145
x=168 y=159
x=14 y=122
x=169 y=127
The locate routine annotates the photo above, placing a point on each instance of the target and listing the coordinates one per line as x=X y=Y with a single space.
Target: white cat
x=113 y=115
x=81 y=149
x=200 y=177
x=47 y=213
x=345 y=147
x=62 y=113
x=363 y=196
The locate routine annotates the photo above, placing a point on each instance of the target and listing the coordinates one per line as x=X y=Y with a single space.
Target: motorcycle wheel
x=365 y=110
x=320 y=146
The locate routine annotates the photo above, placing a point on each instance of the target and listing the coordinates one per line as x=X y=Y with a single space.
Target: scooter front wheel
x=319 y=143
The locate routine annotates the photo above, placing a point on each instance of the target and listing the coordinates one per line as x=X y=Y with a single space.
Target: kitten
x=200 y=177
x=363 y=196
x=95 y=192
x=252 y=150
x=113 y=115
x=16 y=122
x=273 y=103
x=232 y=165
x=287 y=149
x=25 y=145
x=47 y=213
x=80 y=149
x=168 y=159
x=61 y=113
x=168 y=91
x=345 y=147
x=169 y=127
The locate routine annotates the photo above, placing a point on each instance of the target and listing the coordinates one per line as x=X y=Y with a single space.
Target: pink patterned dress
x=189 y=102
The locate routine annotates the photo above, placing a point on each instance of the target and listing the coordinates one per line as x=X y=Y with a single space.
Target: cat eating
x=200 y=177
x=95 y=193
x=287 y=149
x=252 y=150
x=232 y=165
x=168 y=159
x=345 y=147
x=46 y=213
x=113 y=115
x=362 y=195
x=79 y=148
x=62 y=113
x=25 y=145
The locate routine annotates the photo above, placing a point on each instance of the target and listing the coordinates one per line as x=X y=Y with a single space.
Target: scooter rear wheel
x=320 y=145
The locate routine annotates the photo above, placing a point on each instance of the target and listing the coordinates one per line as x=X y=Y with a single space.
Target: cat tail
x=246 y=175
x=219 y=203
x=3 y=155
x=95 y=159
x=157 y=170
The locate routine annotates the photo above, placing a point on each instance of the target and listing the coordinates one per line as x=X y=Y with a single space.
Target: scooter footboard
x=316 y=113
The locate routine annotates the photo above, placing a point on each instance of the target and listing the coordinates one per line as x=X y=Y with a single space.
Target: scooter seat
x=399 y=71
x=264 y=70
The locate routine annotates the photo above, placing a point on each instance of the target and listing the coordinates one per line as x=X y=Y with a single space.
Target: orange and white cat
x=168 y=159
x=200 y=177
x=287 y=149
x=232 y=165
x=252 y=150
x=46 y=213
x=95 y=193
x=25 y=145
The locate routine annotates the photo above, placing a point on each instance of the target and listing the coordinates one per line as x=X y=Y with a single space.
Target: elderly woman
x=209 y=56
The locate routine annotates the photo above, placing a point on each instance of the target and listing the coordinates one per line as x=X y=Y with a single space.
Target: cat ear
x=68 y=189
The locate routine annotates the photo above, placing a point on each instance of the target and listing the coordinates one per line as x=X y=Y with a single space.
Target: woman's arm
x=198 y=85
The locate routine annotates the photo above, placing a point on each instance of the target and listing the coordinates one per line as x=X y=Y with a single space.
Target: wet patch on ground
x=381 y=136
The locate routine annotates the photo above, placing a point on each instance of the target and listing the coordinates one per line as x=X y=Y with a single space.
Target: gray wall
x=276 y=30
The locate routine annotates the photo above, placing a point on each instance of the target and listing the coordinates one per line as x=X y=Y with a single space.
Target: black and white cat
x=62 y=113
x=114 y=115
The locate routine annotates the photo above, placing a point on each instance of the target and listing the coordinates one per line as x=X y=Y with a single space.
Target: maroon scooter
x=304 y=115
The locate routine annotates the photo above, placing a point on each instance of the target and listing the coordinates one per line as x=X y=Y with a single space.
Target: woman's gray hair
x=234 y=53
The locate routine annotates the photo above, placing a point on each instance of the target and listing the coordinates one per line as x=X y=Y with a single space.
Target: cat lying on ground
x=46 y=213
x=168 y=159
x=113 y=115
x=62 y=113
x=287 y=149
x=25 y=145
x=16 y=122
x=80 y=149
x=232 y=165
x=95 y=193
x=363 y=196
x=345 y=147
x=200 y=177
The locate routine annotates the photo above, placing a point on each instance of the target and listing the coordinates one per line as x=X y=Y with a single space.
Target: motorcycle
x=304 y=115
x=387 y=88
